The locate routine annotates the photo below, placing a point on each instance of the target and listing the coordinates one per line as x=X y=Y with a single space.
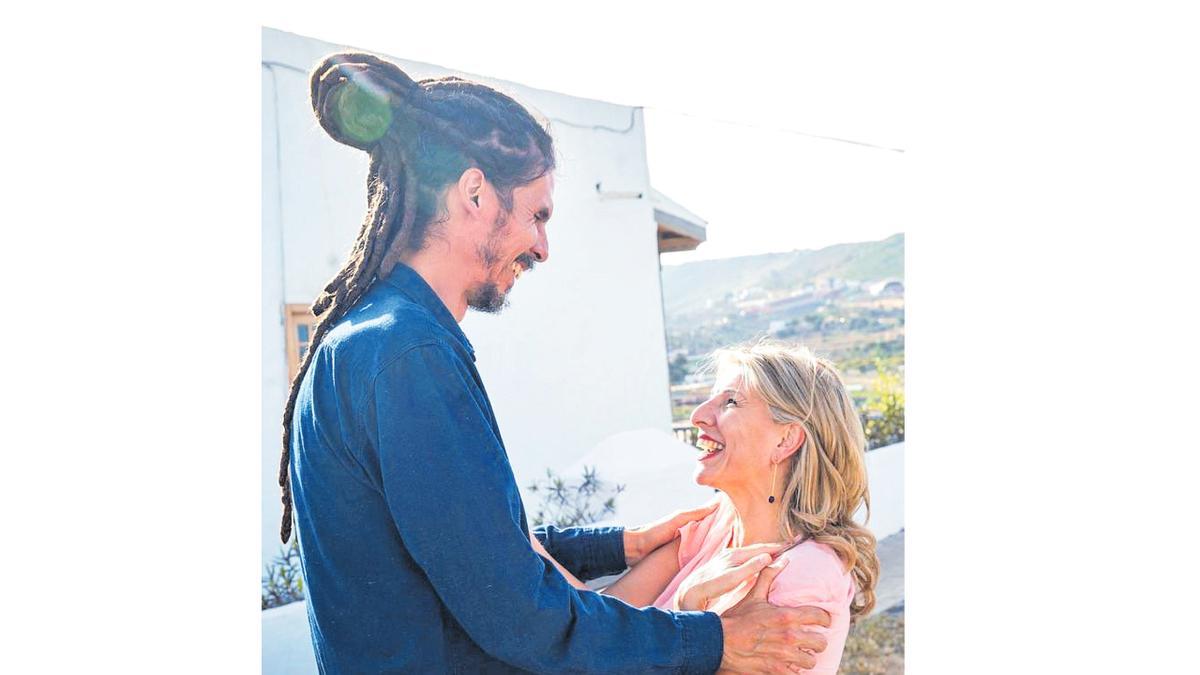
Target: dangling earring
x=771 y=499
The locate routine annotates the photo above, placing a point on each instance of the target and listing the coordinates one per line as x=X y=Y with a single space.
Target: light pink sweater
x=814 y=576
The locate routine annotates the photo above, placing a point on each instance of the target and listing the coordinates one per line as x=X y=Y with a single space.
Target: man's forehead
x=539 y=195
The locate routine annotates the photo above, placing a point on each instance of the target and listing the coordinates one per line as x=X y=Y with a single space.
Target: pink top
x=814 y=576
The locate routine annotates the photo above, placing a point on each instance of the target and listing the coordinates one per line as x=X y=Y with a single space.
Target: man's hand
x=762 y=638
x=641 y=541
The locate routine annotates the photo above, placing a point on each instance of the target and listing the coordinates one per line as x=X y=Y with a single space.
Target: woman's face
x=737 y=437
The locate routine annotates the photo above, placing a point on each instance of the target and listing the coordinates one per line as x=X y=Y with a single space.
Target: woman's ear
x=793 y=438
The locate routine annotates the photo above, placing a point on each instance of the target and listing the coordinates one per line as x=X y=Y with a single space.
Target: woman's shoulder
x=813 y=569
x=815 y=555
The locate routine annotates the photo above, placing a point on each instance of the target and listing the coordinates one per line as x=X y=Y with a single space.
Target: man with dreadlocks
x=413 y=537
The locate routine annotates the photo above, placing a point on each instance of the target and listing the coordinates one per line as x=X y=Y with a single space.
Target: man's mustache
x=527 y=261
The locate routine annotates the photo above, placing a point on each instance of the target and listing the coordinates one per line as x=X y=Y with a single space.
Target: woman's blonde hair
x=827 y=476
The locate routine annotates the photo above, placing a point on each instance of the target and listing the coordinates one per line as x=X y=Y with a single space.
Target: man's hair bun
x=357 y=96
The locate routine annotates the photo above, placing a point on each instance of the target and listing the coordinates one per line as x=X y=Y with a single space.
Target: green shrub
x=282 y=581
x=570 y=504
x=875 y=646
x=883 y=412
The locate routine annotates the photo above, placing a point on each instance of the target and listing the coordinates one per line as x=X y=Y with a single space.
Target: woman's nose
x=700 y=416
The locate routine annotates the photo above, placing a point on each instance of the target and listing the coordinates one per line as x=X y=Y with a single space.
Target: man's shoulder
x=385 y=326
x=381 y=332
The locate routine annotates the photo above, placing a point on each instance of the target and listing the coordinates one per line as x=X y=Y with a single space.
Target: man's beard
x=487 y=296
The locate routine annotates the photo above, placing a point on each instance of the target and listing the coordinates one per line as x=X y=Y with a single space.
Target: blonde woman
x=781 y=440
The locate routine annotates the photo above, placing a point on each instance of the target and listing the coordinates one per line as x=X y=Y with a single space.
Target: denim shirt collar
x=413 y=285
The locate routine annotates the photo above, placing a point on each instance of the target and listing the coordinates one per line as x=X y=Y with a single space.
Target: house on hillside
x=888 y=288
x=579 y=356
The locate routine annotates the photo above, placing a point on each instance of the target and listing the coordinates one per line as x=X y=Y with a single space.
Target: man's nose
x=541 y=249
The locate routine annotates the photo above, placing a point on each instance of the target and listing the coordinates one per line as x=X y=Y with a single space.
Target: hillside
x=693 y=287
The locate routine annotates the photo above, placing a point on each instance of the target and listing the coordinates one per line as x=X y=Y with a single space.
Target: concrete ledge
x=287 y=641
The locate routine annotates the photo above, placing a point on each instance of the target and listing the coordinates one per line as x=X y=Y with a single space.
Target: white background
x=1049 y=214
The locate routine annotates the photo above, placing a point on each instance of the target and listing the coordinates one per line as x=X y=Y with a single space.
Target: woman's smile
x=709 y=447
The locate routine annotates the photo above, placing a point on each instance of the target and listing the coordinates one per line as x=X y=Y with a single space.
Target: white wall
x=580 y=353
x=274 y=360
x=885 y=473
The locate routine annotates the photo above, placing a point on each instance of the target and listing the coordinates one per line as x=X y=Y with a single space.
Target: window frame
x=296 y=315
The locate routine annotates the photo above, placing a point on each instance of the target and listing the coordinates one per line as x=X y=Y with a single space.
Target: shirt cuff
x=703 y=641
x=607 y=550
x=587 y=552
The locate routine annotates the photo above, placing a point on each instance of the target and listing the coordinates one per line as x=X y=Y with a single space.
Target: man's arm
x=571 y=578
x=587 y=552
x=594 y=552
x=454 y=500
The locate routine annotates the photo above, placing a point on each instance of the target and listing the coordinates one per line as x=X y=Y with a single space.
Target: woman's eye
x=730 y=401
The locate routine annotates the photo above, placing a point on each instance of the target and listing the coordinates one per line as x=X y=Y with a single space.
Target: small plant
x=282 y=581
x=883 y=413
x=570 y=504
x=875 y=646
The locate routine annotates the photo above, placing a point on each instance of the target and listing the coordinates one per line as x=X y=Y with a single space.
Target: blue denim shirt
x=413 y=536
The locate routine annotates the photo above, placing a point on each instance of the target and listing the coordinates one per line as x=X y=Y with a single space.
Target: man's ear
x=471 y=186
x=793 y=438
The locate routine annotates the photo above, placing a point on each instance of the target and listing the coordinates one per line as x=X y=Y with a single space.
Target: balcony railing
x=685 y=432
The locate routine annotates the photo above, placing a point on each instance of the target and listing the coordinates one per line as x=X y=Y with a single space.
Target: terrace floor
x=889 y=592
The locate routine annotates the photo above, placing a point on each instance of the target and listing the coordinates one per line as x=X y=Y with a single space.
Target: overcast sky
x=728 y=100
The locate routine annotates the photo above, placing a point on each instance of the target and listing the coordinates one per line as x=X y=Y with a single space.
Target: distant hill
x=687 y=288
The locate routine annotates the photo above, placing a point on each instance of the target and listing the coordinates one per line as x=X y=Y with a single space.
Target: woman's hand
x=722 y=574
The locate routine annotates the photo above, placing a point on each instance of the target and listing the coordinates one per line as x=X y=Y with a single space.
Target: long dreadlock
x=420 y=136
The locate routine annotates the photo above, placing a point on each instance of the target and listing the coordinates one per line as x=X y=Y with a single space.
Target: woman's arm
x=646 y=580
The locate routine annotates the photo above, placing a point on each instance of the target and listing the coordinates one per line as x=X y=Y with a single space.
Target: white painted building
x=579 y=356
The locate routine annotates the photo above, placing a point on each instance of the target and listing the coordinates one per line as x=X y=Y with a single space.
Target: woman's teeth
x=710 y=446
